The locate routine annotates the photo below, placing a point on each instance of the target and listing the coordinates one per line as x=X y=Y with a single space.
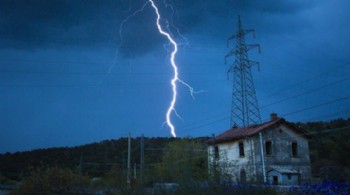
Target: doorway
x=275 y=180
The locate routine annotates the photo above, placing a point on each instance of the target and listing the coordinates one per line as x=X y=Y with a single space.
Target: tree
x=183 y=160
x=51 y=180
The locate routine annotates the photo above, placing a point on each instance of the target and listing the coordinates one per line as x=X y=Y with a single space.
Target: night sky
x=70 y=76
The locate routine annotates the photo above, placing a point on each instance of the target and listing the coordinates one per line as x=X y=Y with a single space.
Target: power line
x=100 y=73
x=304 y=93
x=227 y=118
x=307 y=92
x=316 y=106
x=304 y=81
x=203 y=125
x=346 y=111
x=205 y=119
x=329 y=130
x=315 y=132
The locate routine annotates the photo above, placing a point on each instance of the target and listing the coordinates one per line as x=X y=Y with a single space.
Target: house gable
x=285 y=144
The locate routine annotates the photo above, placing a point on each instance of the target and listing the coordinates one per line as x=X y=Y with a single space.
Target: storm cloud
x=33 y=24
x=70 y=75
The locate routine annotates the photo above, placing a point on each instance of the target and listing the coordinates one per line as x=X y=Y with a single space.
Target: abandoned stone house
x=275 y=152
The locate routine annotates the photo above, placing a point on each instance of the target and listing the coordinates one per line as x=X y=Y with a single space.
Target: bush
x=51 y=180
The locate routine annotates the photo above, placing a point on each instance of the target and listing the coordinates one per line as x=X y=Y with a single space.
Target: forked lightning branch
x=175 y=78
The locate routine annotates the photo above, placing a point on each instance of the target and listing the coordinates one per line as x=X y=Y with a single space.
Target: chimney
x=273 y=116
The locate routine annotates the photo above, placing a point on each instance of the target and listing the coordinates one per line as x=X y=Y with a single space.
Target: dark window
x=275 y=180
x=289 y=176
x=294 y=149
x=216 y=152
x=268 y=148
x=241 y=149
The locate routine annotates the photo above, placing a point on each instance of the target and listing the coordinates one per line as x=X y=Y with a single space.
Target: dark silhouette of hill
x=93 y=159
x=329 y=152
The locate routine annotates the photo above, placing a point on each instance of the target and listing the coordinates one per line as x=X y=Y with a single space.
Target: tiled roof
x=238 y=133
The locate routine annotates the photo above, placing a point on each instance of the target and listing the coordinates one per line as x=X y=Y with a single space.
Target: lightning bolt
x=176 y=74
x=121 y=38
x=168 y=5
x=175 y=79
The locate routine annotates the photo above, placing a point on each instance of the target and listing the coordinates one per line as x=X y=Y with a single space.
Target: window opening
x=268 y=148
x=241 y=149
x=294 y=149
x=216 y=152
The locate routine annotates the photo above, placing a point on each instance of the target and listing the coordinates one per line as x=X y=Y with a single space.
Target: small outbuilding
x=282 y=176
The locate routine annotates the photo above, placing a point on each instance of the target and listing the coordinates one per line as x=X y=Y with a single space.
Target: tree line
x=104 y=164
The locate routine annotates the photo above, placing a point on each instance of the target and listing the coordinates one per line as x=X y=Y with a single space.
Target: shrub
x=51 y=180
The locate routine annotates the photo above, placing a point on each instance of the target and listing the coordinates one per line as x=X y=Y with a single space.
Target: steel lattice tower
x=245 y=109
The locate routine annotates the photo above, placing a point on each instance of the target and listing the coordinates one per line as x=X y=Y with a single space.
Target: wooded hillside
x=329 y=152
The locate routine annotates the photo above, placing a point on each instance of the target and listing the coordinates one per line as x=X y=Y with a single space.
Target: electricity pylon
x=244 y=108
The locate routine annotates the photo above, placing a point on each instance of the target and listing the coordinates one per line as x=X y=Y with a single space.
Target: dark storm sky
x=69 y=75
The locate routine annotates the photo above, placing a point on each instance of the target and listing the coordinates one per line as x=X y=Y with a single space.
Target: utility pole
x=213 y=166
x=244 y=108
x=81 y=165
x=142 y=156
x=134 y=170
x=262 y=157
x=128 y=174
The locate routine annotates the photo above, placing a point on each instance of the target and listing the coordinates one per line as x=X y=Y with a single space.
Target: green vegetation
x=51 y=180
x=103 y=166
x=329 y=149
x=183 y=161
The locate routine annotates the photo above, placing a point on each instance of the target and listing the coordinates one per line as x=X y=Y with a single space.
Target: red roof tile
x=237 y=133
